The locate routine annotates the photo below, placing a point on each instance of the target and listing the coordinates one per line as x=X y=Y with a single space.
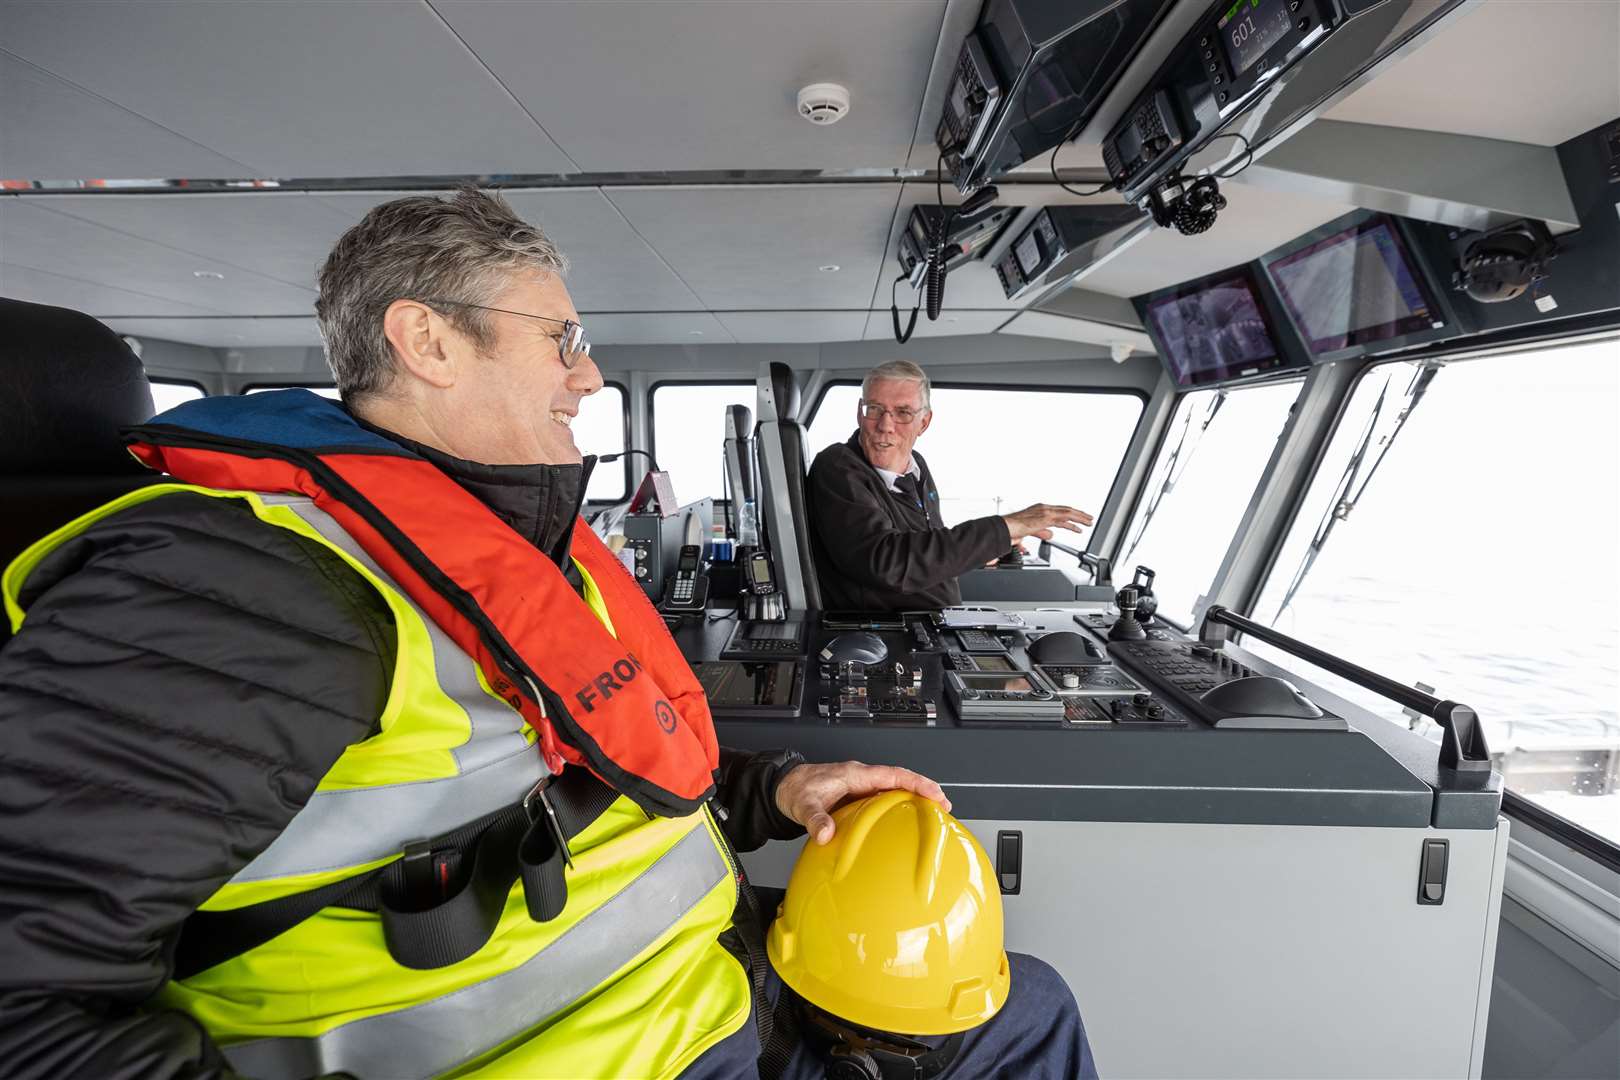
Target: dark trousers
x=1037 y=1035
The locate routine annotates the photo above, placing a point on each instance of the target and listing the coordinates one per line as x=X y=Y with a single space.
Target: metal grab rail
x=1102 y=571
x=1462 y=745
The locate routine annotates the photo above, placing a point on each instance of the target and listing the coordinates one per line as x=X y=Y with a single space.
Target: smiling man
x=880 y=542
x=312 y=764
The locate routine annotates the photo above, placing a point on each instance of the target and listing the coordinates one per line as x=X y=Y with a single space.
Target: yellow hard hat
x=895 y=923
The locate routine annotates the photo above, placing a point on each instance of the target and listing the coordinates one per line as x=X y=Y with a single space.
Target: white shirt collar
x=890 y=477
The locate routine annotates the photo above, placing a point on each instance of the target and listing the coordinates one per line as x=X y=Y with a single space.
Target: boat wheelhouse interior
x=1314 y=305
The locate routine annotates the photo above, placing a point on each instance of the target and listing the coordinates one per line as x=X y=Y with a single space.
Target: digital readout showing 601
x=1249 y=28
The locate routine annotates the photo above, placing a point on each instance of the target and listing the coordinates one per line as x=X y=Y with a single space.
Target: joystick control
x=1126 y=628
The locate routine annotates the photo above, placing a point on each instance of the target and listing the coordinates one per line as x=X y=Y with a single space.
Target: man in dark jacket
x=191 y=671
x=880 y=542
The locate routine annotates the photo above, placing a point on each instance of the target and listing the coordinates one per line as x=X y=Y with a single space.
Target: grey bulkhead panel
x=1212 y=950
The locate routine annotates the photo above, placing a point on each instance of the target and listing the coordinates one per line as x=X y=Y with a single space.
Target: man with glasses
x=350 y=750
x=880 y=542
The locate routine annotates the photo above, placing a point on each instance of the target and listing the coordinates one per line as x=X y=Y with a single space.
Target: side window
x=599 y=429
x=324 y=391
x=167 y=393
x=1216 y=447
x=1067 y=446
x=688 y=431
x=1461 y=531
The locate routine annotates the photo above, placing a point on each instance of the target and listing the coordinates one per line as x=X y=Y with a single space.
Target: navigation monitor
x=742 y=686
x=1353 y=286
x=1213 y=329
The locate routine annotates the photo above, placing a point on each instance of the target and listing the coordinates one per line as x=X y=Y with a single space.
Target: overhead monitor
x=1354 y=286
x=1214 y=329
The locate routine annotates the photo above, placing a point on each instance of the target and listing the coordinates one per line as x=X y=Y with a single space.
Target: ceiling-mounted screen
x=1213 y=329
x=1355 y=286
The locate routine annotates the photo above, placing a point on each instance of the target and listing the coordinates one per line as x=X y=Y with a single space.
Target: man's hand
x=1040 y=519
x=810 y=793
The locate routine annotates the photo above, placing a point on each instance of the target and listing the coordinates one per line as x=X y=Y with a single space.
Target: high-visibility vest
x=629 y=980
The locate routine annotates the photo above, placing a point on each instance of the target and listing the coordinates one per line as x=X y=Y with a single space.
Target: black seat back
x=67 y=385
x=784 y=510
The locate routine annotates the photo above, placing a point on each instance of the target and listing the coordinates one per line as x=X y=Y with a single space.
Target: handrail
x=1462 y=744
x=1102 y=571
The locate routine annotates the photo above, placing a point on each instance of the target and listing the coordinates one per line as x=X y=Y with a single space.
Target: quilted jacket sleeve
x=184 y=676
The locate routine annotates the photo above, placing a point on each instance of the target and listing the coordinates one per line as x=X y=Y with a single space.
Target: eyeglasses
x=871 y=410
x=572 y=344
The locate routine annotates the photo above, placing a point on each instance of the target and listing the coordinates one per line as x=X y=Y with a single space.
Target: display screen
x=1355 y=286
x=993 y=663
x=1250 y=27
x=1028 y=253
x=689 y=560
x=1212 y=330
x=743 y=683
x=1012 y=684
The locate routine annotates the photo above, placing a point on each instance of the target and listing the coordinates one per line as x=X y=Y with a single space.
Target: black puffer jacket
x=185 y=676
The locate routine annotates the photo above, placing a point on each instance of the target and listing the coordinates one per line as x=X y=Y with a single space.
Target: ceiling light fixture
x=830 y=268
x=208 y=275
x=695 y=333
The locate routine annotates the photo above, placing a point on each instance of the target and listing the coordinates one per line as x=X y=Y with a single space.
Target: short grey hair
x=462 y=247
x=900 y=371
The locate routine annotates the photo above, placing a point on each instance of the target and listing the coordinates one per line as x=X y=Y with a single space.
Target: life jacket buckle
x=537 y=795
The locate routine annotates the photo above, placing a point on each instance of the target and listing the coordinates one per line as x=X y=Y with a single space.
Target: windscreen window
x=1211 y=331
x=688 y=424
x=1211 y=460
x=996 y=451
x=1433 y=548
x=1353 y=287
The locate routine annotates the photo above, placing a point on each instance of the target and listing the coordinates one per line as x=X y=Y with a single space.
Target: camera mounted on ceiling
x=942 y=241
x=1499 y=265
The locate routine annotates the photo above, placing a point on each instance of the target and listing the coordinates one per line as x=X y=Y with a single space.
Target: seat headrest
x=67 y=384
x=784 y=391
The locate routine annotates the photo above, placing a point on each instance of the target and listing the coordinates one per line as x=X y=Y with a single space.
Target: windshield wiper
x=1175 y=467
x=1349 y=492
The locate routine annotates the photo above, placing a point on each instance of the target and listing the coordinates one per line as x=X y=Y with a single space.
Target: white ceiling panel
x=1042 y=324
x=762 y=248
x=672 y=328
x=611 y=268
x=293 y=88
x=41 y=287
x=953 y=322
x=285 y=236
x=224 y=333
x=792 y=327
x=1253 y=223
x=1531 y=71
x=710 y=84
x=52 y=130
x=37 y=237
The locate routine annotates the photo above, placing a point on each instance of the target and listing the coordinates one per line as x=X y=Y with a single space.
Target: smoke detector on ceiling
x=823 y=103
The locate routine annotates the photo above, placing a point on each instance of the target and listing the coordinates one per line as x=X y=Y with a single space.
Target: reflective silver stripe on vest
x=439 y=1035
x=496 y=765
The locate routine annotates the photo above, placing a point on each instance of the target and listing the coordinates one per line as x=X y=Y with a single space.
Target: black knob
x=1141 y=701
x=1203 y=652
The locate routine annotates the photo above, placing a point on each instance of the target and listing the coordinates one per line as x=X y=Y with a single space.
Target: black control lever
x=1102 y=571
x=1462 y=744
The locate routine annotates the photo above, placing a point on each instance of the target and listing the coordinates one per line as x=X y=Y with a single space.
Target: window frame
x=1142 y=396
x=652 y=414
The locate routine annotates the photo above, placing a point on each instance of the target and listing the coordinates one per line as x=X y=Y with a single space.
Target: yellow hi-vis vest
x=628 y=981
